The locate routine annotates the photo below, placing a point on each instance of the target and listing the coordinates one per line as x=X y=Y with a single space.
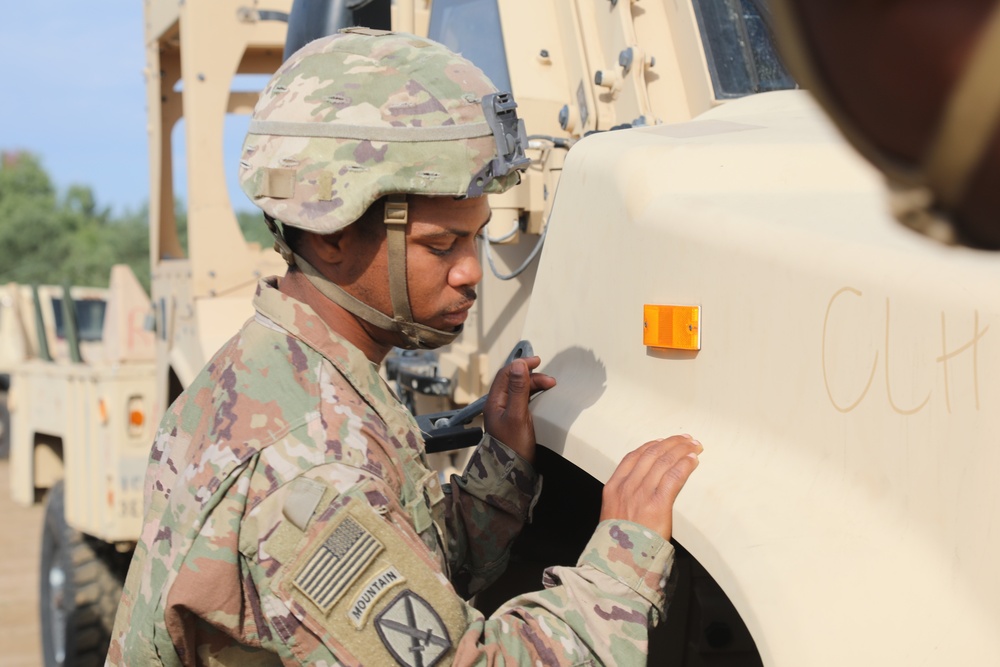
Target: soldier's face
x=442 y=258
x=442 y=261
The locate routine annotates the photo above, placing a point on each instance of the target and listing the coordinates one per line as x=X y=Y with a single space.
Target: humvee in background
x=80 y=432
x=20 y=322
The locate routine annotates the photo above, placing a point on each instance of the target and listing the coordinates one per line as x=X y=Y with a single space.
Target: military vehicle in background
x=25 y=311
x=84 y=413
x=79 y=402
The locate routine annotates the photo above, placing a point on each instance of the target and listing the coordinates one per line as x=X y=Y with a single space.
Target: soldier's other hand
x=506 y=414
x=646 y=483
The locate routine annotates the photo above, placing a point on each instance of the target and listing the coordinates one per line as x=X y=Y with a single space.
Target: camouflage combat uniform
x=290 y=518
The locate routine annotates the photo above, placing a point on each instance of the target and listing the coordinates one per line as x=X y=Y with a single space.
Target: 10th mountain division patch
x=412 y=631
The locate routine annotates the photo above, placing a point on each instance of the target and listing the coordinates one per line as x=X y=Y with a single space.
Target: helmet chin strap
x=418 y=336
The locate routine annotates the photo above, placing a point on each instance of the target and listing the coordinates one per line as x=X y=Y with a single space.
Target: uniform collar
x=281 y=311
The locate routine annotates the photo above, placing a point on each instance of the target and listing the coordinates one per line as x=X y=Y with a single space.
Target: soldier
x=913 y=85
x=290 y=514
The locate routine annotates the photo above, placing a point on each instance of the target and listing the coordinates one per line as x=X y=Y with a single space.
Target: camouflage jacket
x=290 y=519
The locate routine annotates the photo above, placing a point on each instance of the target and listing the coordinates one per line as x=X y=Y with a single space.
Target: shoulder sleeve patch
x=412 y=631
x=362 y=585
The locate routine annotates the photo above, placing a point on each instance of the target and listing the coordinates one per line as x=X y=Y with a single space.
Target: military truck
x=79 y=402
x=15 y=347
x=721 y=264
x=85 y=409
x=21 y=322
x=734 y=272
x=576 y=69
x=603 y=72
x=834 y=364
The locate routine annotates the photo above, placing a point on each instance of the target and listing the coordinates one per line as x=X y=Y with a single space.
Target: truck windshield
x=738 y=46
x=472 y=28
x=89 y=318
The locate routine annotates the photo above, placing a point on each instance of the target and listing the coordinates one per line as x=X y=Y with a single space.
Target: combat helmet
x=365 y=114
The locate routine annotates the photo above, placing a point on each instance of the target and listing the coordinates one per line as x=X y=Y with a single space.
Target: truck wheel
x=79 y=587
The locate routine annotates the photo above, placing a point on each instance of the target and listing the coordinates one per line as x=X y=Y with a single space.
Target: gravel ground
x=20 y=547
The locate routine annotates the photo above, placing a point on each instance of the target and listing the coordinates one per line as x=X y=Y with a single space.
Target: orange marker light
x=136 y=415
x=671 y=327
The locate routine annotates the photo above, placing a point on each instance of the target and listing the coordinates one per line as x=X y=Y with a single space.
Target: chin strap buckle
x=397 y=211
x=280 y=245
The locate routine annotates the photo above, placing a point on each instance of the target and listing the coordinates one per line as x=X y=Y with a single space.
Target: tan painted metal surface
x=87 y=408
x=18 y=335
x=202 y=292
x=15 y=336
x=554 y=49
x=846 y=498
x=89 y=423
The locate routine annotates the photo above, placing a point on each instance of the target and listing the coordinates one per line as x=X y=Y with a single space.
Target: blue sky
x=74 y=94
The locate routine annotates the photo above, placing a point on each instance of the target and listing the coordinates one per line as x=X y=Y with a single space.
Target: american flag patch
x=340 y=560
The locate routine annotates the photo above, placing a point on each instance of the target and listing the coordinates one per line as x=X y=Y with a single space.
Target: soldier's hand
x=646 y=483
x=506 y=414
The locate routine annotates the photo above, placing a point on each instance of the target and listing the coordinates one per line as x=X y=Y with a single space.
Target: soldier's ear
x=346 y=255
x=330 y=248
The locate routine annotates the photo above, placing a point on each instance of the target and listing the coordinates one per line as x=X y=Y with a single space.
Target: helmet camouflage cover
x=365 y=113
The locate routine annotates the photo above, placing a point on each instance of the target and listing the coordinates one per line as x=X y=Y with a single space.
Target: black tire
x=80 y=584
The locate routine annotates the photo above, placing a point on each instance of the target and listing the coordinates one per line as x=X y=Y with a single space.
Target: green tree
x=51 y=240
x=21 y=175
x=28 y=220
x=48 y=238
x=253 y=228
x=129 y=236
